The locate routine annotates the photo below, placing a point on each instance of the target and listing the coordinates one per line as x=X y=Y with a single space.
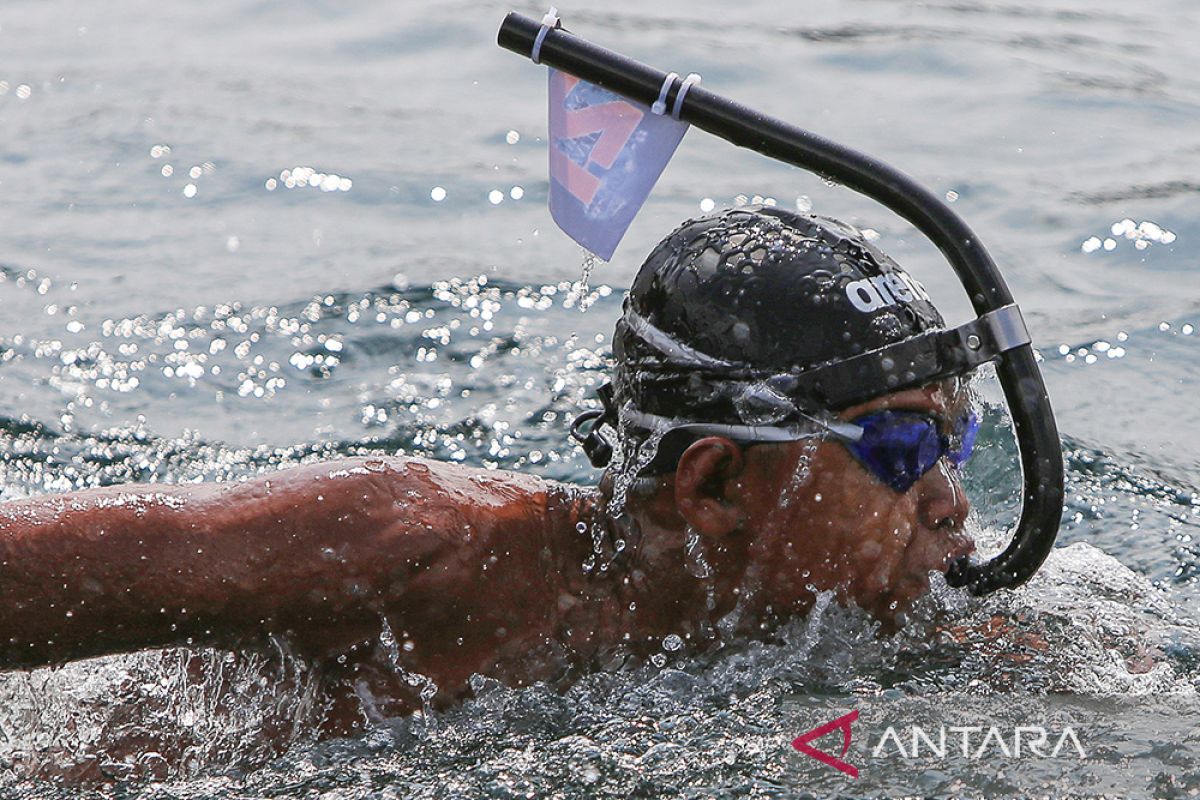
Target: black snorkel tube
x=1037 y=435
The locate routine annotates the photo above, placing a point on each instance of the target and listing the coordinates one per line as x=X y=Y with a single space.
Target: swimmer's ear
x=702 y=481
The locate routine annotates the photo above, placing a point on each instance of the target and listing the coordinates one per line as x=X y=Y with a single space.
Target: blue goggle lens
x=898 y=447
x=962 y=441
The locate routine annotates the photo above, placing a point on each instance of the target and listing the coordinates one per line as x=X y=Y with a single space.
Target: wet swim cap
x=755 y=323
x=770 y=293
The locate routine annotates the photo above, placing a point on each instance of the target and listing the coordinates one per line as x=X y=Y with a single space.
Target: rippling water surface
x=240 y=235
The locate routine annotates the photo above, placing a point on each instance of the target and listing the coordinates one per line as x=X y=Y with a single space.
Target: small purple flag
x=606 y=153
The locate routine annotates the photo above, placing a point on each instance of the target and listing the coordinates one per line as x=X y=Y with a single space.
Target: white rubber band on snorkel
x=548 y=22
x=692 y=78
x=660 y=105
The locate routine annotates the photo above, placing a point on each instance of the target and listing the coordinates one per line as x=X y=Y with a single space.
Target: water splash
x=694 y=560
x=636 y=452
x=581 y=292
x=391 y=648
x=801 y=472
x=166 y=714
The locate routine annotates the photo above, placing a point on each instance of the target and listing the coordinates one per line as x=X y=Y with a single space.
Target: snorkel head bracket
x=599 y=450
x=998 y=334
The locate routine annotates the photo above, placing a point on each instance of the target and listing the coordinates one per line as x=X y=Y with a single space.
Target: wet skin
x=850 y=533
x=474 y=572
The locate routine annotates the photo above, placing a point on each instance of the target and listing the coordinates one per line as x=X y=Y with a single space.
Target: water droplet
x=694 y=560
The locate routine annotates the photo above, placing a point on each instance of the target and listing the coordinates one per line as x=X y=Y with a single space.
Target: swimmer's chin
x=892 y=609
x=913 y=584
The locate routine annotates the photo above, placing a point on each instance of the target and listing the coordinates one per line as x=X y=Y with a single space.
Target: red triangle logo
x=801 y=743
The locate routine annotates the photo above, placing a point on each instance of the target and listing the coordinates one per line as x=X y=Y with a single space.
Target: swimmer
x=742 y=486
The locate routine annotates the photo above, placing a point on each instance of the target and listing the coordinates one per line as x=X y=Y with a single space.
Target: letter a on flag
x=606 y=152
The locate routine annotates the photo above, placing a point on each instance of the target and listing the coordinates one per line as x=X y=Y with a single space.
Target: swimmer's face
x=836 y=526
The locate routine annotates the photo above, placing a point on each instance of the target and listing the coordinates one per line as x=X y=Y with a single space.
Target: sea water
x=243 y=235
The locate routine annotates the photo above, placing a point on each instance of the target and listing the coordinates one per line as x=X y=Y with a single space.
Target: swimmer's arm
x=313 y=551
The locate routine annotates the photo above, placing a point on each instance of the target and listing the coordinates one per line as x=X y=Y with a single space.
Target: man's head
x=721 y=319
x=813 y=517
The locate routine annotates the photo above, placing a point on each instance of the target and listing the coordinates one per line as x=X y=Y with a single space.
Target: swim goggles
x=896 y=447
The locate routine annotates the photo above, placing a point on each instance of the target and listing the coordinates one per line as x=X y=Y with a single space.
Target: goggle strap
x=678 y=353
x=745 y=433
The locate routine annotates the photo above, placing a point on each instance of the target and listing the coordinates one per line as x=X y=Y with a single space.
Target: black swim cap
x=770 y=292
x=755 y=323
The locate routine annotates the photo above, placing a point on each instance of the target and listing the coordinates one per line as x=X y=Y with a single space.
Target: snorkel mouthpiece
x=908 y=349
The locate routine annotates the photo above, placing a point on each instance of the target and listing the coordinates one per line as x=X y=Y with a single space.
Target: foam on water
x=156 y=715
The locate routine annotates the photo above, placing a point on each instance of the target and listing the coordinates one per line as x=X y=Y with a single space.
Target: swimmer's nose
x=943 y=504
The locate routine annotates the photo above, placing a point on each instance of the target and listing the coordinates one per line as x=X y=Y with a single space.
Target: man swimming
x=738 y=492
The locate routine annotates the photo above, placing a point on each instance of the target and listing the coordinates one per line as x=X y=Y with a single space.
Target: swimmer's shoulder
x=483 y=495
